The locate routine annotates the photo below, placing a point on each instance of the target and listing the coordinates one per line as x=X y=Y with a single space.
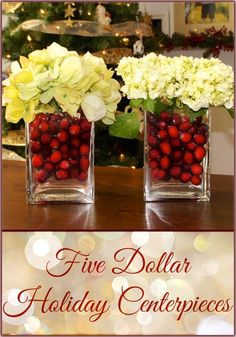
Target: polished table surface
x=118 y=206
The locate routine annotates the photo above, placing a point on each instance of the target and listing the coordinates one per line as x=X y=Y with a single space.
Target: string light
x=89 y=13
x=104 y=52
x=117 y=34
x=128 y=5
x=122 y=157
x=133 y=167
x=58 y=27
x=29 y=38
x=42 y=11
x=126 y=40
x=8 y=56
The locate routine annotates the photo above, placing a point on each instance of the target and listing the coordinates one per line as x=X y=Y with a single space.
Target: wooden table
x=118 y=206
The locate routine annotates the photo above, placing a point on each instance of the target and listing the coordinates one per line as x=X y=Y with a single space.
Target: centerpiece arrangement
x=175 y=94
x=60 y=95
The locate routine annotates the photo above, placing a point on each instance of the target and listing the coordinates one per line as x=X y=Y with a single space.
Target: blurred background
x=115 y=29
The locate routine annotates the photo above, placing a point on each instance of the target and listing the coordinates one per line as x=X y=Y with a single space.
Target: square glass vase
x=60 y=159
x=176 y=157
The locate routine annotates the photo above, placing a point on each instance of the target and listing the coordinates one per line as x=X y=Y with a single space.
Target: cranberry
x=192 y=130
x=196 y=180
x=153 y=153
x=185 y=137
x=35 y=146
x=64 y=165
x=164 y=162
x=35 y=134
x=162 y=134
x=74 y=130
x=74 y=173
x=175 y=143
x=62 y=136
x=175 y=171
x=84 y=149
x=176 y=119
x=48 y=166
x=165 y=148
x=188 y=157
x=64 y=124
x=85 y=125
x=191 y=146
x=74 y=153
x=176 y=155
x=185 y=177
x=203 y=129
x=83 y=176
x=64 y=149
x=55 y=157
x=84 y=163
x=54 y=143
x=199 y=153
x=173 y=131
x=165 y=116
x=41 y=176
x=196 y=169
x=37 y=160
x=161 y=125
x=62 y=174
x=184 y=126
x=43 y=126
x=158 y=174
x=153 y=164
x=75 y=142
x=45 y=138
x=199 y=139
x=152 y=140
x=53 y=126
x=185 y=119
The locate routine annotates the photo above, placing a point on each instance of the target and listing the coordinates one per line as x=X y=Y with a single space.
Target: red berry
x=64 y=149
x=84 y=163
x=165 y=148
x=53 y=126
x=199 y=153
x=45 y=138
x=176 y=155
x=152 y=140
x=37 y=160
x=191 y=146
x=35 y=134
x=85 y=125
x=158 y=174
x=48 y=166
x=154 y=154
x=74 y=153
x=41 y=176
x=150 y=129
x=73 y=161
x=75 y=142
x=188 y=157
x=74 y=130
x=196 y=180
x=175 y=171
x=203 y=129
x=74 y=173
x=161 y=125
x=85 y=135
x=184 y=126
x=196 y=169
x=62 y=174
x=46 y=151
x=54 y=143
x=64 y=165
x=192 y=130
x=185 y=137
x=35 y=146
x=83 y=176
x=175 y=143
x=84 y=149
x=199 y=139
x=153 y=164
x=184 y=119
x=164 y=162
x=185 y=177
x=43 y=126
x=162 y=134
x=176 y=119
x=64 y=123
x=185 y=168
x=173 y=131
x=55 y=157
x=62 y=136
x=198 y=120
x=164 y=116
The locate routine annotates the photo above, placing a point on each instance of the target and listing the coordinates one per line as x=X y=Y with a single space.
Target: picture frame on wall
x=197 y=16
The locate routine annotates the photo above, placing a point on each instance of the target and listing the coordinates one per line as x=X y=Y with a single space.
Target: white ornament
x=138 y=48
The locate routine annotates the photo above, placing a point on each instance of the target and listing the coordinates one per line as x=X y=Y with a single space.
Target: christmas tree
x=35 y=25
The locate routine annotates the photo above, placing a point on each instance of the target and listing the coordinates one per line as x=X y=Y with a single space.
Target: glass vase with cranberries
x=176 y=156
x=60 y=158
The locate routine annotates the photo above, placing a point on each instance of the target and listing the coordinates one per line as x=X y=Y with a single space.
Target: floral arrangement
x=186 y=84
x=55 y=78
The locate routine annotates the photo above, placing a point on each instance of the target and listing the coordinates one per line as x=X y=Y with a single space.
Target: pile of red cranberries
x=60 y=146
x=176 y=147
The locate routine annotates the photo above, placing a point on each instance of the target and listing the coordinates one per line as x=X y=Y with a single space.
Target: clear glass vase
x=176 y=157
x=60 y=159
